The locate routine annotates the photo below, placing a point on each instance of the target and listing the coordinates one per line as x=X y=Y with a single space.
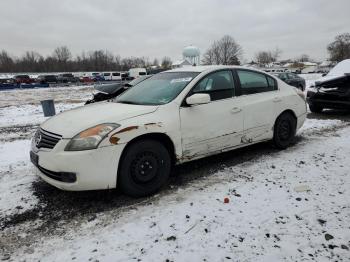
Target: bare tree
x=276 y=54
x=62 y=54
x=30 y=61
x=304 y=58
x=264 y=58
x=6 y=62
x=155 y=62
x=225 y=51
x=339 y=49
x=166 y=62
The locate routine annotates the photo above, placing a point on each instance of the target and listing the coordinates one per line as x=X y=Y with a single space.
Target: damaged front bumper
x=78 y=170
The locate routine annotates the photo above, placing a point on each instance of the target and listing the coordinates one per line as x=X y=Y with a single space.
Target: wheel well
x=288 y=111
x=160 y=137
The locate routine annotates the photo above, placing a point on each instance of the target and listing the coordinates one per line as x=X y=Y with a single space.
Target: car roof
x=201 y=69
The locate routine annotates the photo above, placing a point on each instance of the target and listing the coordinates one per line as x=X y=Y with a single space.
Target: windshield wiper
x=127 y=102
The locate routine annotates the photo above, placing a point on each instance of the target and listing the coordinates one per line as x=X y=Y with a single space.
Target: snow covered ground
x=69 y=94
x=282 y=206
x=291 y=205
x=310 y=78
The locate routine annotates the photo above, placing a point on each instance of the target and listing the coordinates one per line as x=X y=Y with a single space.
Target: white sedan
x=171 y=118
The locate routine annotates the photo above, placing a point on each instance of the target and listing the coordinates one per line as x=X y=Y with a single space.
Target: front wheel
x=284 y=130
x=145 y=168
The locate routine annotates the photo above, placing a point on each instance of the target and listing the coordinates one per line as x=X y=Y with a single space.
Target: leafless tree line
x=62 y=60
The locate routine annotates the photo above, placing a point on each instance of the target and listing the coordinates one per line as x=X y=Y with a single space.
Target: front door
x=210 y=128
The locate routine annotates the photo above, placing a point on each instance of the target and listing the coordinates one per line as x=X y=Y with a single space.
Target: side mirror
x=198 y=99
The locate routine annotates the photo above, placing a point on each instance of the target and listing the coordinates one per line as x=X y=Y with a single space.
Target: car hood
x=71 y=122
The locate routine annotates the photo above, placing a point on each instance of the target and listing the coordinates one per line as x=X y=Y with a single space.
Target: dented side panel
x=165 y=121
x=210 y=127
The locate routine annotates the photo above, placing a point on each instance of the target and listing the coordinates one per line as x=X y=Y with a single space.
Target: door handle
x=236 y=110
x=277 y=99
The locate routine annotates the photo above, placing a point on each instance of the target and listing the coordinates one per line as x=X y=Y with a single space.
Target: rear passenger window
x=253 y=82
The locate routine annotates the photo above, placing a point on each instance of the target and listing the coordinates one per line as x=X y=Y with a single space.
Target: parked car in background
x=86 y=79
x=332 y=91
x=67 y=78
x=137 y=72
x=97 y=77
x=292 y=79
x=125 y=76
x=112 y=76
x=6 y=80
x=23 y=79
x=173 y=117
x=91 y=77
x=47 y=79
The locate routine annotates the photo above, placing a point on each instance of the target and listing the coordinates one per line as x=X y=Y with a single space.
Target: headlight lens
x=90 y=138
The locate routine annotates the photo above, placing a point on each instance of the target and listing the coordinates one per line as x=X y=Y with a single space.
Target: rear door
x=216 y=126
x=259 y=96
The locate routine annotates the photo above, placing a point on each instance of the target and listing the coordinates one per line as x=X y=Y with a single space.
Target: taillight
x=300 y=93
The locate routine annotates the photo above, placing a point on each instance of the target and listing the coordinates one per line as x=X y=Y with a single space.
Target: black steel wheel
x=144 y=168
x=284 y=130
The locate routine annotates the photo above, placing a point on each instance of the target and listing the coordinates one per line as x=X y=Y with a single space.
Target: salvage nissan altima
x=171 y=118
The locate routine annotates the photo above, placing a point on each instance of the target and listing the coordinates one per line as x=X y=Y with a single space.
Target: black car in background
x=47 y=79
x=332 y=93
x=292 y=79
x=67 y=78
x=110 y=91
x=22 y=79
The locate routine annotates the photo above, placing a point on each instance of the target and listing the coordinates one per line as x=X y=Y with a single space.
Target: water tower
x=191 y=53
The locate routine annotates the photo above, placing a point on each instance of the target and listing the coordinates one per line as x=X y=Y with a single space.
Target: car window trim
x=184 y=104
x=253 y=71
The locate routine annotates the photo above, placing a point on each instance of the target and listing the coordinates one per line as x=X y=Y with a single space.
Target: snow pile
x=340 y=69
x=310 y=79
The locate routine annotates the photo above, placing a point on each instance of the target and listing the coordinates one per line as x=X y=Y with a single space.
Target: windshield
x=158 y=89
x=137 y=80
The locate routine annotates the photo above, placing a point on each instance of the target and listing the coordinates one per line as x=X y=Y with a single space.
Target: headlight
x=90 y=138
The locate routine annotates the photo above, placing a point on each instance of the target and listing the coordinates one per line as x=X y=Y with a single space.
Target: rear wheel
x=284 y=130
x=145 y=168
x=315 y=108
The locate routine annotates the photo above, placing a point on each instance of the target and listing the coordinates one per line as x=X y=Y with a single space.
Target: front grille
x=45 y=139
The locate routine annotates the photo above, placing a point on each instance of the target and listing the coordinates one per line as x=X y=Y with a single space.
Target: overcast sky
x=157 y=28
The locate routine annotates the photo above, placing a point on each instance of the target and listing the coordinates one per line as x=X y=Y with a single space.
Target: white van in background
x=112 y=76
x=137 y=72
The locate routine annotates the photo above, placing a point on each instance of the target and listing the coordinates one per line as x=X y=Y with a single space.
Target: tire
x=315 y=108
x=284 y=130
x=145 y=168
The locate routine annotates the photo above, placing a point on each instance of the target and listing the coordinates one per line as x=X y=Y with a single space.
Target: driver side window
x=219 y=85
